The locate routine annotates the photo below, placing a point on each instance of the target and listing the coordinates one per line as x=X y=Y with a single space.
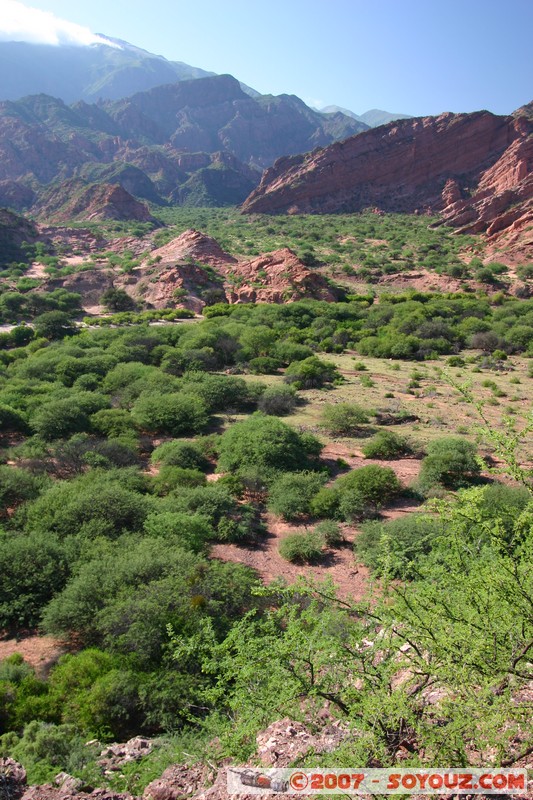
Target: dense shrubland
x=108 y=518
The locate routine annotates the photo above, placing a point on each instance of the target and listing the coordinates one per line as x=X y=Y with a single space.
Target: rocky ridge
x=95 y=202
x=475 y=168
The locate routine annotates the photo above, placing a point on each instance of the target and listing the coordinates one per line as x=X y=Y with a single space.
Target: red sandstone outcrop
x=193 y=270
x=278 y=277
x=476 y=168
x=194 y=246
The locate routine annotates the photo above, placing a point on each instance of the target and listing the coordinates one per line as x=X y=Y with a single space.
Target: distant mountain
x=196 y=142
x=372 y=118
x=90 y=73
x=376 y=117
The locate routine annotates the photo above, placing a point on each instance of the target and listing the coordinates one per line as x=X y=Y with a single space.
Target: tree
x=54 y=325
x=117 y=300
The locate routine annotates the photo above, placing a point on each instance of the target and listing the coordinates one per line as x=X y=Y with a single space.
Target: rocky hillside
x=14 y=231
x=193 y=270
x=475 y=167
x=198 y=142
x=75 y=200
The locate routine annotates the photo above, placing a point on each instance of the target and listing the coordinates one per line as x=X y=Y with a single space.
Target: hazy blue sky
x=412 y=56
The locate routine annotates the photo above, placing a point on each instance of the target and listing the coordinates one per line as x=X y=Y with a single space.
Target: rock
x=284 y=741
x=76 y=199
x=12 y=779
x=278 y=277
x=176 y=782
x=67 y=783
x=114 y=756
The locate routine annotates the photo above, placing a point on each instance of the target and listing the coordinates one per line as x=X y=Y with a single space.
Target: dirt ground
x=352 y=579
x=41 y=652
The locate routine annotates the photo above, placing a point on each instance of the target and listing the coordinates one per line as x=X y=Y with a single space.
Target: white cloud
x=20 y=23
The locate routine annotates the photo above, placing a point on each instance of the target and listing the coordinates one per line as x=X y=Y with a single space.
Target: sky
x=411 y=56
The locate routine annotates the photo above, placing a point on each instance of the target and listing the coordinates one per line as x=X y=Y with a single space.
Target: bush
x=34 y=568
x=190 y=531
x=267 y=444
x=59 y=418
x=311 y=373
x=277 y=401
x=96 y=504
x=170 y=478
x=291 y=494
x=170 y=413
x=302 y=547
x=264 y=365
x=344 y=419
x=186 y=455
x=450 y=462
x=359 y=494
x=386 y=445
x=330 y=531
x=394 y=547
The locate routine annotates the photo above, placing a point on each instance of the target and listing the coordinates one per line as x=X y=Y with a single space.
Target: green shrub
x=330 y=531
x=264 y=365
x=394 y=547
x=344 y=419
x=170 y=478
x=302 y=547
x=311 y=373
x=268 y=444
x=450 y=462
x=187 y=455
x=175 y=414
x=291 y=494
x=386 y=445
x=190 y=531
x=277 y=401
x=34 y=567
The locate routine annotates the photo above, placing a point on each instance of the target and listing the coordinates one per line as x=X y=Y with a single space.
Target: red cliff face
x=426 y=164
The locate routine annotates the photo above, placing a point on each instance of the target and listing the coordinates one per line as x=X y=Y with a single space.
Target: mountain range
x=201 y=142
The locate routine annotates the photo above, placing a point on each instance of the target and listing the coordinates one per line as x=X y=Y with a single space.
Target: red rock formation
x=278 y=277
x=475 y=167
x=195 y=246
x=193 y=268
